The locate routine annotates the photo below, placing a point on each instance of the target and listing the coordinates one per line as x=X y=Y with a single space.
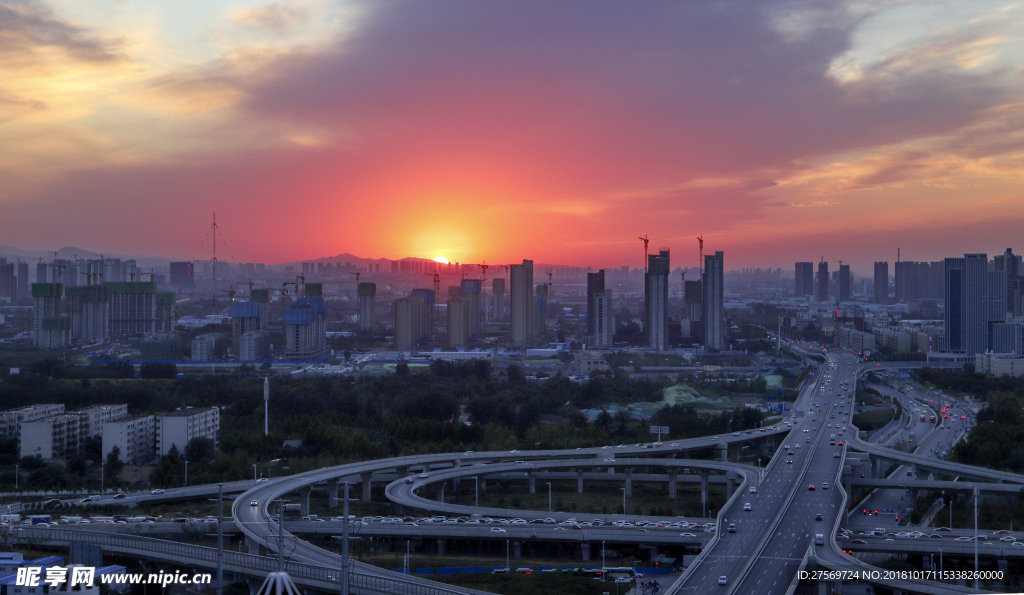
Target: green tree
x=200 y=449
x=114 y=466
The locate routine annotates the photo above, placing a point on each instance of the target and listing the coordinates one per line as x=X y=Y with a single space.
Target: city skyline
x=779 y=132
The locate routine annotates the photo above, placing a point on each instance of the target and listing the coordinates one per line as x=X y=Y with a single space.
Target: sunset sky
x=487 y=130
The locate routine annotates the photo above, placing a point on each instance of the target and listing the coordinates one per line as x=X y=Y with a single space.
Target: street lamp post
x=507 y=565
x=186 y=473
x=623 y=501
x=549 y=496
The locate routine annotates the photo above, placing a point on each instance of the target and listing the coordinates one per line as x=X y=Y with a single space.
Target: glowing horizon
x=509 y=130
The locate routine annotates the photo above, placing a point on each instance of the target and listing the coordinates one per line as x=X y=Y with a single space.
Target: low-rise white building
x=10 y=421
x=204 y=347
x=94 y=417
x=999 y=364
x=134 y=436
x=175 y=429
x=54 y=437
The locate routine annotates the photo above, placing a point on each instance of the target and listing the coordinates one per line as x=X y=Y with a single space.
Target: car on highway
x=789 y=462
x=498 y=530
x=753 y=490
x=747 y=506
x=811 y=487
x=687 y=535
x=723 y=581
x=962 y=539
x=262 y=480
x=817 y=517
x=1018 y=543
x=157 y=491
x=119 y=496
x=1008 y=539
x=254 y=503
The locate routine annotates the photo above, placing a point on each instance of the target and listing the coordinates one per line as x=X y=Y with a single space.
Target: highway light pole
x=549 y=496
x=976 y=537
x=476 y=491
x=280 y=535
x=623 y=501
x=220 y=539
x=186 y=473
x=344 y=545
x=507 y=566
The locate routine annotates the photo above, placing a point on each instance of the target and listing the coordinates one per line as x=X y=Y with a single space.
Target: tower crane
x=357 y=274
x=483 y=268
x=700 y=262
x=645 y=240
x=437 y=284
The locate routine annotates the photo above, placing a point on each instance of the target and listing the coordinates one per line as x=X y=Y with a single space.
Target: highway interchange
x=758 y=550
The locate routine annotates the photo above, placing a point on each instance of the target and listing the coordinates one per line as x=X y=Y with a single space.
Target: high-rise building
x=1009 y=263
x=604 y=320
x=427 y=317
x=8 y=280
x=23 y=280
x=51 y=328
x=409 y=328
x=523 y=305
x=595 y=286
x=693 y=300
x=656 y=301
x=844 y=283
x=458 y=327
x=714 y=301
x=881 y=282
x=498 y=295
x=471 y=294
x=305 y=333
x=823 y=281
x=540 y=311
x=87 y=307
x=367 y=306
x=182 y=275
x=804 y=285
x=246 y=317
x=131 y=308
x=975 y=299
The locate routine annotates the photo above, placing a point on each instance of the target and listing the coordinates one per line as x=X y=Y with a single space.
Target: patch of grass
x=872 y=420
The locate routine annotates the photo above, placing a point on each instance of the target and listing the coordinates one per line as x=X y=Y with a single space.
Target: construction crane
x=645 y=240
x=483 y=267
x=357 y=274
x=700 y=262
x=437 y=285
x=549 y=277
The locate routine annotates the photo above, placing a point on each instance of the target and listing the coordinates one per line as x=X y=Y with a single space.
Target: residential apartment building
x=175 y=429
x=10 y=421
x=134 y=436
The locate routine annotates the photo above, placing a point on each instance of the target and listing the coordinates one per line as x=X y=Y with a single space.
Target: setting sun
x=441 y=259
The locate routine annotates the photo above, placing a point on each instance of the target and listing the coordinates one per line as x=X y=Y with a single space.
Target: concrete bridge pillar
x=304 y=499
x=332 y=493
x=585 y=552
x=367 y=486
x=673 y=476
x=483 y=483
x=440 y=492
x=723 y=450
x=440 y=547
x=579 y=481
x=533 y=482
x=704 y=487
x=730 y=484
x=253 y=545
x=822 y=587
x=837 y=587
x=1003 y=565
x=629 y=484
x=517 y=549
x=402 y=470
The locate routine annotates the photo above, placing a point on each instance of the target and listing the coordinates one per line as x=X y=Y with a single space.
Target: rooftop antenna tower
x=645 y=240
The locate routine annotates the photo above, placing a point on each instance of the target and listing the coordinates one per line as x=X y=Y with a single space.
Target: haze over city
x=778 y=131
